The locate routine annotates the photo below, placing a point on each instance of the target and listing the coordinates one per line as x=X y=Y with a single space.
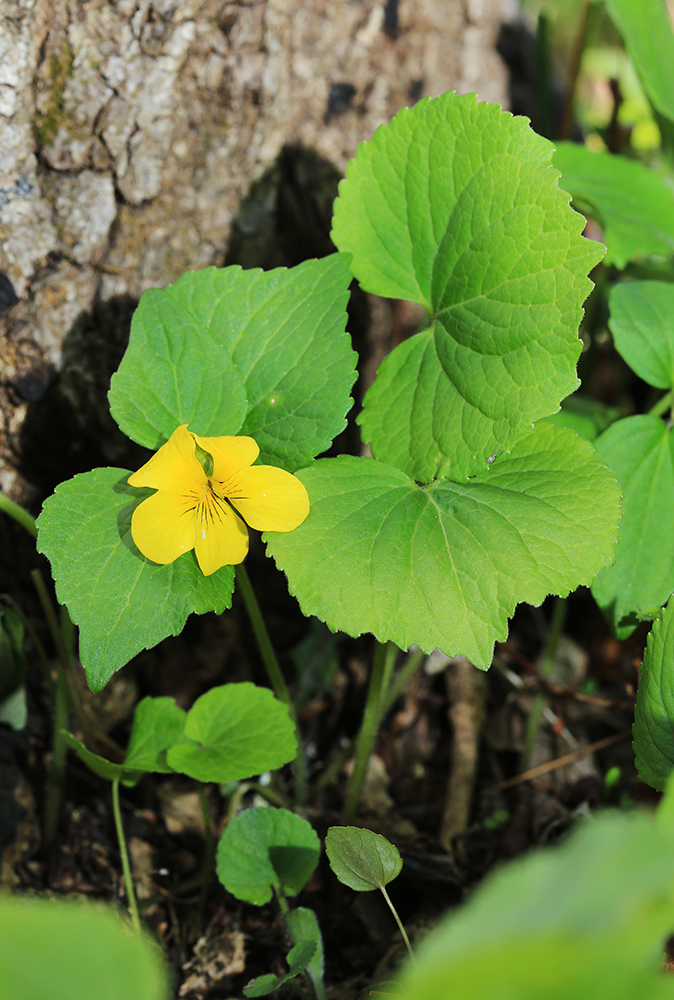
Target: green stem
x=282 y=902
x=276 y=678
x=575 y=62
x=662 y=405
x=269 y=658
x=543 y=71
x=332 y=770
x=547 y=664
x=397 y=920
x=124 y=855
x=209 y=853
x=34 y=638
x=410 y=666
x=382 y=665
x=20 y=515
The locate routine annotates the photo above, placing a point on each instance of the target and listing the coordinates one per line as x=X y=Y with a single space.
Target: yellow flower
x=209 y=513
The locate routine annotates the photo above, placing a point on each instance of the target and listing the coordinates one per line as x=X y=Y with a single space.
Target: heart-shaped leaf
x=444 y=565
x=237 y=730
x=455 y=205
x=242 y=352
x=265 y=849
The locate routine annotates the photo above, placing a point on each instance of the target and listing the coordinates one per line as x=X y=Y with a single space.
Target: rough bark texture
x=131 y=132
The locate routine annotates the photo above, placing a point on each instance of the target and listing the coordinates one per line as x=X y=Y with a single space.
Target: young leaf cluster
x=232 y=732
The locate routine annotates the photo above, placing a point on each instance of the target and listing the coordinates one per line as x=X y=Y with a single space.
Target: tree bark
x=131 y=131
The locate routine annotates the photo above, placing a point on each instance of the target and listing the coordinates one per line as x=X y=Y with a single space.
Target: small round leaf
x=263 y=849
x=361 y=859
x=233 y=732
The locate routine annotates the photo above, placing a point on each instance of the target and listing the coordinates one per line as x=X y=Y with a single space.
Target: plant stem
x=547 y=663
x=410 y=666
x=269 y=658
x=382 y=666
x=20 y=515
x=397 y=920
x=276 y=678
x=124 y=855
x=575 y=62
x=662 y=405
x=34 y=638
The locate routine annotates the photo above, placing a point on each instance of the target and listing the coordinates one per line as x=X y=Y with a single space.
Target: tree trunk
x=131 y=132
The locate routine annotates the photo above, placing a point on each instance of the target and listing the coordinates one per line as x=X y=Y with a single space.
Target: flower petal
x=230 y=454
x=222 y=537
x=174 y=467
x=164 y=526
x=269 y=499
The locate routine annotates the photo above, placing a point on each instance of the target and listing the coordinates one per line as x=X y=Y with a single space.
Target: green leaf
x=633 y=205
x=65 y=950
x=238 y=730
x=654 y=713
x=298 y=959
x=242 y=352
x=647 y=30
x=303 y=927
x=455 y=205
x=587 y=417
x=101 y=766
x=584 y=920
x=361 y=859
x=640 y=453
x=121 y=601
x=158 y=723
x=642 y=324
x=444 y=565
x=262 y=849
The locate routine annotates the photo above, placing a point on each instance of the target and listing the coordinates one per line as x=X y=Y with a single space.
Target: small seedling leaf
x=242 y=352
x=640 y=453
x=299 y=958
x=264 y=849
x=632 y=204
x=65 y=950
x=237 y=730
x=361 y=859
x=121 y=601
x=158 y=724
x=303 y=926
x=455 y=205
x=654 y=713
x=642 y=324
